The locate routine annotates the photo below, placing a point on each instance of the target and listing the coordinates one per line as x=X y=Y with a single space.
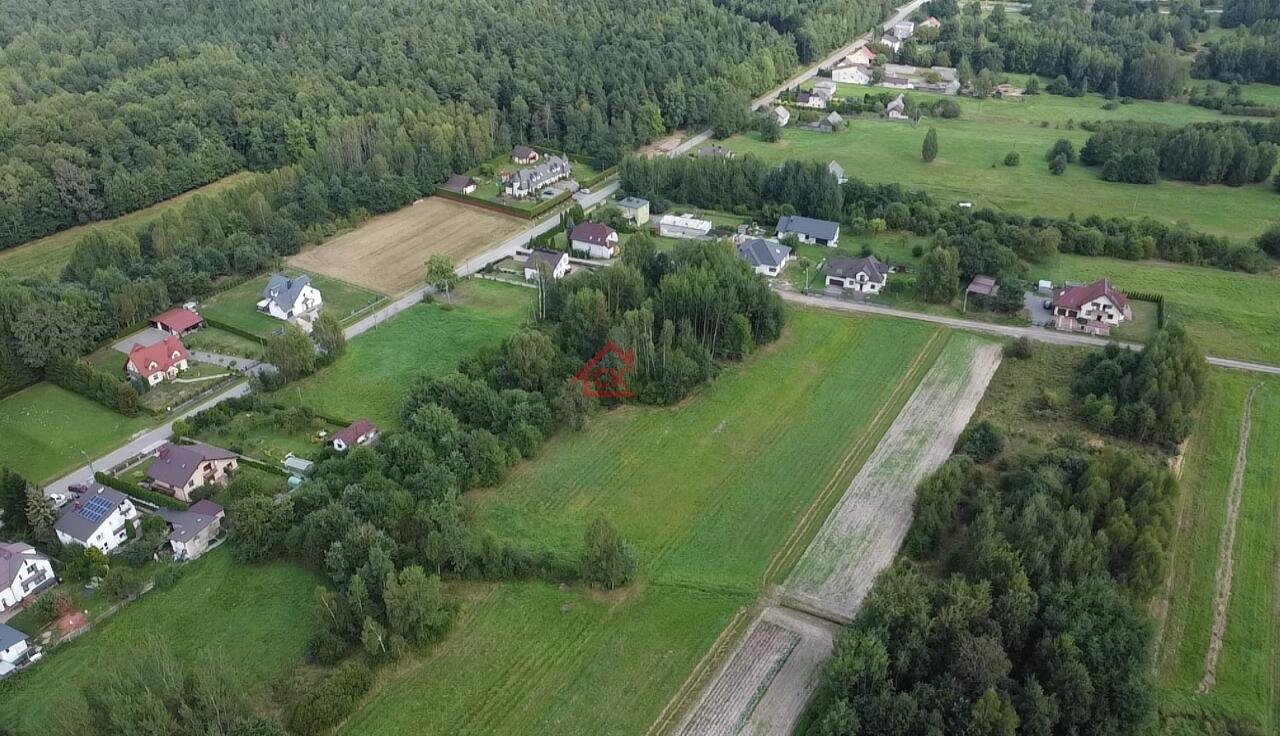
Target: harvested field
x=862 y=535
x=387 y=253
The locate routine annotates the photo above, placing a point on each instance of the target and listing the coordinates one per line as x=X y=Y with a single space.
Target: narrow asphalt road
x=1041 y=334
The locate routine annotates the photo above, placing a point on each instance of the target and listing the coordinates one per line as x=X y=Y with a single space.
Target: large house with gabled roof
x=99 y=517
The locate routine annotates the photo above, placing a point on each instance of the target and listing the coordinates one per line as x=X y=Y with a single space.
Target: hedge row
x=96 y=385
x=263 y=466
x=1154 y=298
x=149 y=497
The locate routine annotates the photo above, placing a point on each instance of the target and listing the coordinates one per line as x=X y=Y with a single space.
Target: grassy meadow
x=258 y=617
x=371 y=379
x=718 y=494
x=45 y=428
x=971 y=150
x=238 y=307
x=1248 y=671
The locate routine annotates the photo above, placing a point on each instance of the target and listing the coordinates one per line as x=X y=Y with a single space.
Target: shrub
x=608 y=560
x=316 y=704
x=917 y=250
x=1012 y=158
x=1019 y=349
x=981 y=441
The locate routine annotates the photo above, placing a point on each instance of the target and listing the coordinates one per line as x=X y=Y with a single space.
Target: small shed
x=981 y=285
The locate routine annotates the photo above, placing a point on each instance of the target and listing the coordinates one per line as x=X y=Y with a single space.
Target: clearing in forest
x=764 y=686
x=388 y=253
x=1246 y=632
x=707 y=491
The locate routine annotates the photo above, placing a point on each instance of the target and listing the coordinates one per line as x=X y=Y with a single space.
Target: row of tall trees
x=1208 y=153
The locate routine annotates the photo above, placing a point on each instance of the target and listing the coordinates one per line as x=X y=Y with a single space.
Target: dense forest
x=1116 y=45
x=1207 y=153
x=1248 y=55
x=103 y=113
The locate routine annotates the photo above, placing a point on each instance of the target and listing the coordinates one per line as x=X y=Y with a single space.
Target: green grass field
x=258 y=617
x=718 y=495
x=972 y=147
x=238 y=307
x=49 y=254
x=379 y=366
x=45 y=429
x=1248 y=672
x=214 y=340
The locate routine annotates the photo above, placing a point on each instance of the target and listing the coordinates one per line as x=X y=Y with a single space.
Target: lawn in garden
x=238 y=307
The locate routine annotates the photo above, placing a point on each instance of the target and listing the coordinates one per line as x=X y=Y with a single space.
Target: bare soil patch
x=388 y=253
x=1226 y=556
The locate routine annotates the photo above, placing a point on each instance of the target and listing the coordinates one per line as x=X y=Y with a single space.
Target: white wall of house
x=197 y=545
x=33 y=573
x=561 y=268
x=851 y=75
x=309 y=300
x=14 y=652
x=597 y=251
x=1101 y=309
x=860 y=283
x=111 y=533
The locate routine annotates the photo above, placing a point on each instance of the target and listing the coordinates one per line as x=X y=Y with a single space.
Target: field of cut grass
x=45 y=428
x=258 y=617
x=238 y=307
x=1248 y=672
x=49 y=254
x=971 y=150
x=371 y=379
x=717 y=494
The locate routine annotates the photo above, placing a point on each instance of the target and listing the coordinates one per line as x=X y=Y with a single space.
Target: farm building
x=99 y=518
x=523 y=154
x=766 y=257
x=159 y=361
x=809 y=229
x=897 y=109
x=635 y=209
x=180 y=469
x=683 y=226
x=904 y=29
x=893 y=42
x=527 y=182
x=286 y=297
x=297 y=465
x=837 y=171
x=193 y=530
x=552 y=262
x=23 y=573
x=826 y=89
x=177 y=321
x=596 y=239
x=460 y=183
x=981 y=285
x=1094 y=308
x=359 y=432
x=864 y=275
x=782 y=115
x=896 y=82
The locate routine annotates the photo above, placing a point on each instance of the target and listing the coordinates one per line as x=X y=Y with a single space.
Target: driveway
x=148 y=336
x=1040 y=316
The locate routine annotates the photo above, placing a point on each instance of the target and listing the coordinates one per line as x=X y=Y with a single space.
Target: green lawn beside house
x=237 y=307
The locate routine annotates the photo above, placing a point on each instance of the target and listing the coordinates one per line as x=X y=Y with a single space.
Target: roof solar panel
x=95 y=509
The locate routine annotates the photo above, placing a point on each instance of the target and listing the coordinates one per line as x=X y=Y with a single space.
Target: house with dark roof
x=864 y=275
x=286 y=297
x=177 y=321
x=553 y=263
x=1094 y=308
x=635 y=209
x=766 y=257
x=359 y=432
x=180 y=469
x=530 y=181
x=596 y=239
x=523 y=154
x=15 y=650
x=24 y=572
x=897 y=109
x=893 y=42
x=809 y=229
x=98 y=517
x=159 y=361
x=810 y=100
x=192 y=531
x=460 y=183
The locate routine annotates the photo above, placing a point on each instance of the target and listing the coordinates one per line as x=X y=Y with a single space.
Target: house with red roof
x=597 y=239
x=1094 y=308
x=359 y=432
x=159 y=361
x=177 y=321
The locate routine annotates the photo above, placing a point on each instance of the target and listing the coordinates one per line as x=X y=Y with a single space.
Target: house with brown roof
x=553 y=263
x=177 y=321
x=24 y=572
x=596 y=239
x=359 y=432
x=159 y=361
x=180 y=469
x=193 y=530
x=863 y=275
x=1094 y=308
x=460 y=183
x=523 y=154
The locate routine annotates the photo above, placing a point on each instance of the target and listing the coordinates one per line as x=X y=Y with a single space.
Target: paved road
x=1040 y=334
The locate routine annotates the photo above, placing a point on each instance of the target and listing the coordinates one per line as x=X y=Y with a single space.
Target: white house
x=359 y=432
x=896 y=110
x=863 y=56
x=530 y=181
x=811 y=100
x=555 y=263
x=596 y=239
x=904 y=29
x=193 y=530
x=286 y=297
x=782 y=115
x=826 y=89
x=849 y=73
x=1093 y=308
x=893 y=42
x=15 y=650
x=837 y=171
x=809 y=229
x=863 y=275
x=159 y=361
x=23 y=573
x=683 y=226
x=460 y=183
x=635 y=209
x=764 y=256
x=98 y=518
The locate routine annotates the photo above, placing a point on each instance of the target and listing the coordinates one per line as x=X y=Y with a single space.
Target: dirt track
x=1226 y=556
x=388 y=253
